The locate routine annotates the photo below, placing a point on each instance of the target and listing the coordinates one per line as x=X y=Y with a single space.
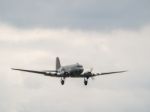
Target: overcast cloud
x=37 y=49
x=105 y=35
x=76 y=14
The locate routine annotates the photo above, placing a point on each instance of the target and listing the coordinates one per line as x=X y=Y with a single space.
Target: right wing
x=47 y=73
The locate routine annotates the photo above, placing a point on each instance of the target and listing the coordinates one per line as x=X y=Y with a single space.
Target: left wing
x=90 y=74
x=106 y=73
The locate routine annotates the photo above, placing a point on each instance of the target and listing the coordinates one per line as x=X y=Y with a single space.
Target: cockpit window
x=78 y=65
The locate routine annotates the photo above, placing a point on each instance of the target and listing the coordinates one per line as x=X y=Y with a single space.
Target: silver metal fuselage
x=74 y=70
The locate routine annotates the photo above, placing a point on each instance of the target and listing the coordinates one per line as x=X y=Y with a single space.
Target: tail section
x=58 y=65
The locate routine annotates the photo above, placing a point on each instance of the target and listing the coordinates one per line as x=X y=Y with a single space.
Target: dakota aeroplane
x=72 y=71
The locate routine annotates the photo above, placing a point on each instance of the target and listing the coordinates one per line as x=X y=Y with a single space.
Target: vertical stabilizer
x=58 y=65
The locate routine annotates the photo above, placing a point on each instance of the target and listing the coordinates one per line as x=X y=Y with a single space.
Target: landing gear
x=62 y=80
x=85 y=81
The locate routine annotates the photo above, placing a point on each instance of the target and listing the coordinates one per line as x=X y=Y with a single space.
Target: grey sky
x=78 y=14
x=37 y=49
x=34 y=32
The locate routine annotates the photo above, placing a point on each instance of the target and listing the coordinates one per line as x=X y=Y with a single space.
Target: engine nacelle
x=60 y=73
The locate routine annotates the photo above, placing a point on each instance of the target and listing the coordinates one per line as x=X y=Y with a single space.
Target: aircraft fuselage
x=71 y=70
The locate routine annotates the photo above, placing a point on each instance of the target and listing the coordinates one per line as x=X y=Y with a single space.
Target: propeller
x=92 y=73
x=91 y=70
x=60 y=73
x=89 y=73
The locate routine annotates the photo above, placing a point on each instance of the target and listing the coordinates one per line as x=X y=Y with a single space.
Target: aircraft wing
x=107 y=73
x=48 y=72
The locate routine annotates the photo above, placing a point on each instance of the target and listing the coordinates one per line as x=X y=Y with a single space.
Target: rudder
x=58 y=65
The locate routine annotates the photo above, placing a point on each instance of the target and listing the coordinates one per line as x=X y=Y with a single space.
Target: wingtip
x=122 y=71
x=12 y=68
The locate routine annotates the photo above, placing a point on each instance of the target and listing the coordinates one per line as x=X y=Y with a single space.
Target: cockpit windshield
x=78 y=65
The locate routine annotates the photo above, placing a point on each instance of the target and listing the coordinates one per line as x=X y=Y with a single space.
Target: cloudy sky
x=105 y=35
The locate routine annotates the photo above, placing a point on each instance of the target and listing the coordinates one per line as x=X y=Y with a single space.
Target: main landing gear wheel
x=62 y=81
x=85 y=81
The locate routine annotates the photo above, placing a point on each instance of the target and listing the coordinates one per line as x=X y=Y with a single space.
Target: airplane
x=72 y=71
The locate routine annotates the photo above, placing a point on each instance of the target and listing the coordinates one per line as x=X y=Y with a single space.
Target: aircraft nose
x=81 y=69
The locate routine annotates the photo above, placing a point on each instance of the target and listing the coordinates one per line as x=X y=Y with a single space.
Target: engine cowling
x=60 y=73
x=88 y=73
